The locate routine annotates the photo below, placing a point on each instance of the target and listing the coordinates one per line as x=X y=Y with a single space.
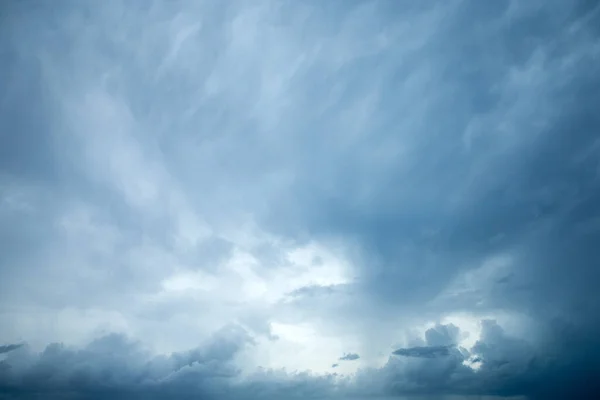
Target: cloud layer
x=218 y=199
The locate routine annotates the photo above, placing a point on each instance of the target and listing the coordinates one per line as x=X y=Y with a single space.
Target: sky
x=269 y=199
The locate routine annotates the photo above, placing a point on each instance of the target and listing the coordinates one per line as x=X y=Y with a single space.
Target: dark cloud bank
x=504 y=159
x=117 y=367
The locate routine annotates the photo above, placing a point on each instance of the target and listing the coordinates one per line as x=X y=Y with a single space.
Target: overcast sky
x=269 y=199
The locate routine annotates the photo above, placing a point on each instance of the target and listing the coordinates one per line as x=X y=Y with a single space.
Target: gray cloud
x=349 y=357
x=116 y=365
x=9 y=347
x=424 y=351
x=164 y=168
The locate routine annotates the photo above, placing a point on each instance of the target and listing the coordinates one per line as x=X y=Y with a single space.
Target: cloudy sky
x=268 y=199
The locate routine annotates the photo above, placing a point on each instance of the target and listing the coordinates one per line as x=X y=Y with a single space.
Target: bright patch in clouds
x=241 y=282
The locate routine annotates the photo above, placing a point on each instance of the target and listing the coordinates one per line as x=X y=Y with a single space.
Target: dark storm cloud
x=524 y=164
x=509 y=366
x=520 y=94
x=114 y=366
x=427 y=138
x=117 y=366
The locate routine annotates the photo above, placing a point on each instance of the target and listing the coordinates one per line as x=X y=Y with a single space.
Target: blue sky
x=266 y=199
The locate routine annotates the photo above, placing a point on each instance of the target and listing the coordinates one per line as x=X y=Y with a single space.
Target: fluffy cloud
x=199 y=198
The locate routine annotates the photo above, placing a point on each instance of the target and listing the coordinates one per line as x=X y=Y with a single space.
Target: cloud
x=9 y=347
x=349 y=357
x=119 y=366
x=116 y=364
x=424 y=352
x=313 y=177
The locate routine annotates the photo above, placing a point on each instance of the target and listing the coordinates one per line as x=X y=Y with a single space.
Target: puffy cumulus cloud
x=318 y=177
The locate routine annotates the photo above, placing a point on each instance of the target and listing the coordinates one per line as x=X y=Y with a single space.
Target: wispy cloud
x=424 y=351
x=349 y=357
x=9 y=347
x=253 y=188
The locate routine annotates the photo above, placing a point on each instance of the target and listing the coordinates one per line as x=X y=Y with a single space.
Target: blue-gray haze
x=271 y=199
